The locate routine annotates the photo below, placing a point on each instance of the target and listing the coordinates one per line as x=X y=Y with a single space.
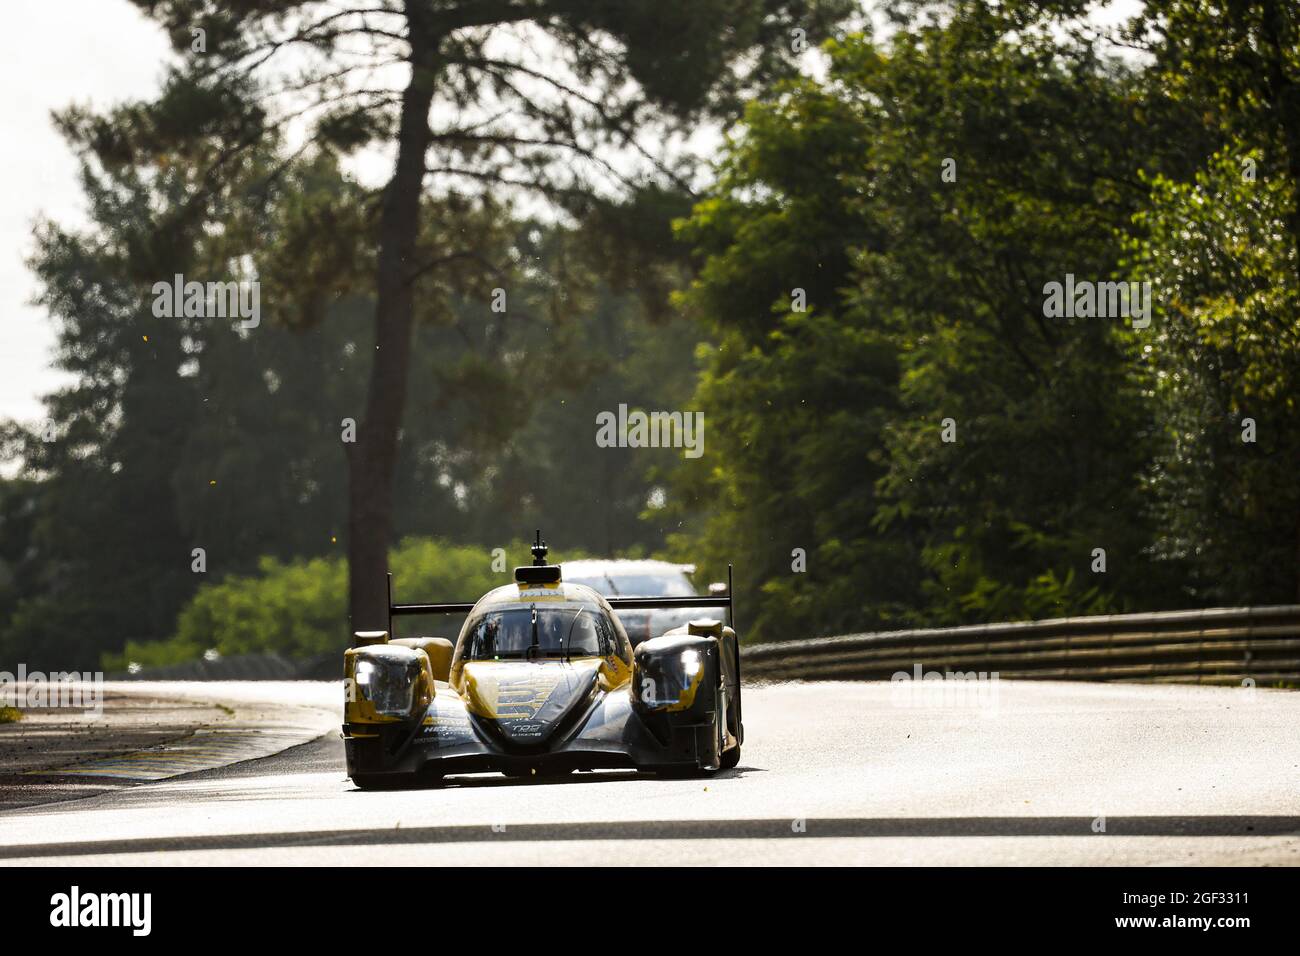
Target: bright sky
x=53 y=54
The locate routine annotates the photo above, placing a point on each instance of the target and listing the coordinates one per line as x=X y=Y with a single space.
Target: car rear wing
x=617 y=603
x=648 y=603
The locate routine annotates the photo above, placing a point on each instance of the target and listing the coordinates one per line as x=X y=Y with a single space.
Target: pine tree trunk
x=373 y=457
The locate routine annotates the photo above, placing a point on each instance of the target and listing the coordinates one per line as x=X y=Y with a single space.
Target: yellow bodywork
x=513 y=689
x=439 y=650
x=358 y=710
x=491 y=689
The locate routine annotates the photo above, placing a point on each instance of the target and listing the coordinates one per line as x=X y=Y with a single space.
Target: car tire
x=730 y=758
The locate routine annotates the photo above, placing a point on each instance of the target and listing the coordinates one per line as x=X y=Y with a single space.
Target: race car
x=542 y=680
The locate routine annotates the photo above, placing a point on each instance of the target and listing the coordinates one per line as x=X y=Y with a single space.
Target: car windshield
x=638 y=585
x=528 y=633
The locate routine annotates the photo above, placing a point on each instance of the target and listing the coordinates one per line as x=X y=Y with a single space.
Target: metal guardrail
x=1211 y=646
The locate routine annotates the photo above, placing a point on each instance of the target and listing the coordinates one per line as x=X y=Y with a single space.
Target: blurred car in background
x=642 y=578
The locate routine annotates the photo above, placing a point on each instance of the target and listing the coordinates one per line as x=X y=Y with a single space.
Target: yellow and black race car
x=543 y=680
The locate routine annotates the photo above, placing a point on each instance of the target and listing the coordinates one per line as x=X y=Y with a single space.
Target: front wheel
x=730 y=758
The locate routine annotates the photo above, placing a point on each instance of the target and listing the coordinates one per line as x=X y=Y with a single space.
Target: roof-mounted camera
x=539 y=572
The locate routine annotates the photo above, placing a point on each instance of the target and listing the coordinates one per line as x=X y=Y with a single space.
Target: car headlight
x=691 y=662
x=668 y=676
x=389 y=686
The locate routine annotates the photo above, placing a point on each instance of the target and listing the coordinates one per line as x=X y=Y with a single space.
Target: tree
x=1222 y=370
x=1240 y=65
x=798 y=386
x=922 y=197
x=1221 y=242
x=165 y=440
x=1040 y=467
x=501 y=117
x=188 y=432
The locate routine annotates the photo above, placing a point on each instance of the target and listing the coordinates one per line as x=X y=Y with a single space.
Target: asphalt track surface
x=832 y=773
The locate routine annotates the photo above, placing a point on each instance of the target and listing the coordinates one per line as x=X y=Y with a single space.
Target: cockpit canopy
x=552 y=621
x=539 y=631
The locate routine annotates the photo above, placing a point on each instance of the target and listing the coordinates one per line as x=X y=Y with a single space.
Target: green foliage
x=925 y=303
x=1221 y=242
x=1226 y=349
x=298 y=608
x=793 y=401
